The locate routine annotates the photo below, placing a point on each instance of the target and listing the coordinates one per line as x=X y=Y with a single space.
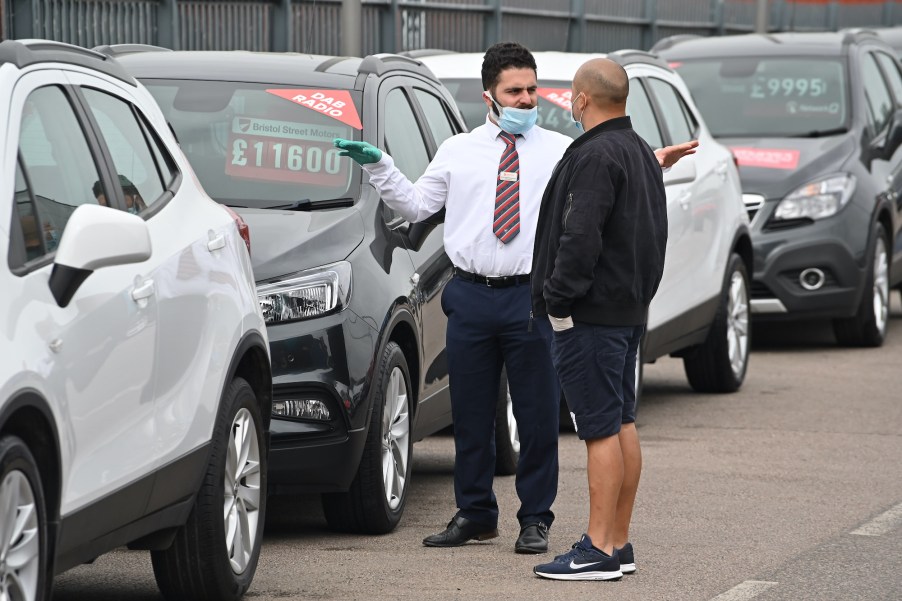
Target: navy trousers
x=490 y=328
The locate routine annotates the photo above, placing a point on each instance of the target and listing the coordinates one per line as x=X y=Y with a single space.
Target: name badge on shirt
x=508 y=176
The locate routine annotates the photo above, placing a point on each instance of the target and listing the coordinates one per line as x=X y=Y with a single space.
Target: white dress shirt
x=462 y=178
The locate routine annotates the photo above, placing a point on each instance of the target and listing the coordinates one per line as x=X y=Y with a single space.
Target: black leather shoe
x=533 y=539
x=459 y=531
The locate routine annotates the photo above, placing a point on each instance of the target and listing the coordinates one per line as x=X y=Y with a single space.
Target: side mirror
x=683 y=172
x=417 y=232
x=893 y=135
x=96 y=237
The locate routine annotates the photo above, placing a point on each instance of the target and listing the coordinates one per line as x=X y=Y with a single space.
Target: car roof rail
x=631 y=57
x=23 y=53
x=671 y=41
x=115 y=50
x=379 y=64
x=857 y=34
x=426 y=52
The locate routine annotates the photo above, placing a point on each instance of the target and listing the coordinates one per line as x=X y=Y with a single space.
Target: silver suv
x=701 y=310
x=135 y=386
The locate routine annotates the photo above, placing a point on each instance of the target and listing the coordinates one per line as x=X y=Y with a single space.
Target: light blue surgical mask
x=577 y=122
x=513 y=120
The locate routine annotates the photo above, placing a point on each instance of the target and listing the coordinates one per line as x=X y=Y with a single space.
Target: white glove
x=559 y=324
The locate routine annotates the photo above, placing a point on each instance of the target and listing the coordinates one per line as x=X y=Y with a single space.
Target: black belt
x=502 y=281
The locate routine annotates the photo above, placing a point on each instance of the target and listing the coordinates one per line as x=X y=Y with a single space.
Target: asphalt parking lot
x=788 y=489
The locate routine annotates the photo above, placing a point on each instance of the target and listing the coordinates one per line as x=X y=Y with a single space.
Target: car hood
x=285 y=242
x=774 y=167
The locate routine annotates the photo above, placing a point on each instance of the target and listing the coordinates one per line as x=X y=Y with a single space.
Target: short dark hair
x=501 y=56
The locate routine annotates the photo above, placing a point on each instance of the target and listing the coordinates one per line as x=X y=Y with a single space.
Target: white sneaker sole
x=627 y=568
x=581 y=575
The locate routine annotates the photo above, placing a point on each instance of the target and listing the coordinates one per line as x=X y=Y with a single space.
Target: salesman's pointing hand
x=362 y=152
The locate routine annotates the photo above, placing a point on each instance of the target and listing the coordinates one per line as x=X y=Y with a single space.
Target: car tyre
x=377 y=496
x=507 y=436
x=214 y=555
x=719 y=364
x=870 y=323
x=23 y=539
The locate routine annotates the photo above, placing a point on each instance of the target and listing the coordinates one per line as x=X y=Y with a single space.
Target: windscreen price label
x=286 y=160
x=798 y=87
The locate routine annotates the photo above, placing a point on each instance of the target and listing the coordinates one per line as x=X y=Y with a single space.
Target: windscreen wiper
x=305 y=204
x=819 y=133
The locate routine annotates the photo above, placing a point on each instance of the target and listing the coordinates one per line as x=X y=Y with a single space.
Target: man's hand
x=559 y=324
x=362 y=152
x=669 y=155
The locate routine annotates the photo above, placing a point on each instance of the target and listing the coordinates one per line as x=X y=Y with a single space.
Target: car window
x=467 y=94
x=672 y=110
x=641 y=114
x=876 y=92
x=263 y=145
x=752 y=96
x=403 y=139
x=59 y=165
x=891 y=71
x=138 y=171
x=436 y=116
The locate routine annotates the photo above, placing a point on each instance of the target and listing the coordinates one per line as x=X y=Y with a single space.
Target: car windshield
x=769 y=97
x=259 y=145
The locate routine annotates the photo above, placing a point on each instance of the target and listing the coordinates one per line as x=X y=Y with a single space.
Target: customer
x=490 y=181
x=598 y=260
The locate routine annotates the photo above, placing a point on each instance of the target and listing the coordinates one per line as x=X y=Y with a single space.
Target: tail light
x=735 y=159
x=243 y=230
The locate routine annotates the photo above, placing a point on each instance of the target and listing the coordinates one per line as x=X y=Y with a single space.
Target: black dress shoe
x=533 y=539
x=459 y=531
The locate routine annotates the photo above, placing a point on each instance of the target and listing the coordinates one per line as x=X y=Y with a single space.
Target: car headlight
x=818 y=199
x=307 y=294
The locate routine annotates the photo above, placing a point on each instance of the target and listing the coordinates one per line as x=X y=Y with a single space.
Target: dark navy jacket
x=602 y=230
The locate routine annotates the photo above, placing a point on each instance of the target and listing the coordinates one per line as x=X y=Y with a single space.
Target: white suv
x=701 y=310
x=135 y=386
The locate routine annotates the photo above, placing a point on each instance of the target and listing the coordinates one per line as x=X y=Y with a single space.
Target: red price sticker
x=766 y=158
x=336 y=104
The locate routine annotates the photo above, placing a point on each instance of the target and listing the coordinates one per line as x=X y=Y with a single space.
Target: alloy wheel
x=881 y=285
x=20 y=553
x=395 y=438
x=738 y=323
x=242 y=491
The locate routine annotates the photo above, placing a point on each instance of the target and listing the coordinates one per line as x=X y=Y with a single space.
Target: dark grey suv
x=350 y=291
x=815 y=122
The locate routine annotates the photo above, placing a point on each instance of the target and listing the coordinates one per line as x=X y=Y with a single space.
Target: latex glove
x=559 y=324
x=669 y=155
x=362 y=152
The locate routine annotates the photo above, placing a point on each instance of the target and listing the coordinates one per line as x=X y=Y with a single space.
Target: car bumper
x=325 y=360
x=812 y=271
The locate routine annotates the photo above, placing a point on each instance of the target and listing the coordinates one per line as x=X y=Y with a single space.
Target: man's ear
x=491 y=105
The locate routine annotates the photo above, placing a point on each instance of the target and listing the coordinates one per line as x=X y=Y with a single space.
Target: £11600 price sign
x=286 y=160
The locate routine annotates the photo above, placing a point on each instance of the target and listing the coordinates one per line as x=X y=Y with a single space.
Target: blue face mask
x=515 y=121
x=577 y=122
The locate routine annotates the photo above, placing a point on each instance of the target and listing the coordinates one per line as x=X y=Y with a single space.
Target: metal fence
x=314 y=26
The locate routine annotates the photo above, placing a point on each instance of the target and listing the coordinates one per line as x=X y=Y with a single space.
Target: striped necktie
x=506 y=224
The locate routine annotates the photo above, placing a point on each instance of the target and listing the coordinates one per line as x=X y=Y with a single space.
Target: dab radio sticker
x=332 y=103
x=557 y=96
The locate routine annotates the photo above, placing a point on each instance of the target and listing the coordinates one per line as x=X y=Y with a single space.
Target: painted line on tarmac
x=745 y=591
x=884 y=523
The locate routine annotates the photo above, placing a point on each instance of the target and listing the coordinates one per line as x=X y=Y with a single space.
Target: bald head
x=604 y=82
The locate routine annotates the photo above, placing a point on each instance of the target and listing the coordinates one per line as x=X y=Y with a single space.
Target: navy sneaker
x=627 y=561
x=582 y=562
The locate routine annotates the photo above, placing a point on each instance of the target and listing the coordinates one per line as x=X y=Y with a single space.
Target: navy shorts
x=597 y=369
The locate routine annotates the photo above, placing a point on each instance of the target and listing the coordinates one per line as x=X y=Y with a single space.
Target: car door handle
x=142 y=291
x=216 y=242
x=684 y=199
x=721 y=170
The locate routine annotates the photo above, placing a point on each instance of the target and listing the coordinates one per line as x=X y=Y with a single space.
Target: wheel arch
x=403 y=332
x=251 y=362
x=742 y=246
x=28 y=416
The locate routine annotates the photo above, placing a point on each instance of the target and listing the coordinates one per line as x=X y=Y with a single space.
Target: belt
x=502 y=281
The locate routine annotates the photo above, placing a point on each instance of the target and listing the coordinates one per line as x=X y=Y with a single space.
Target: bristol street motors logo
x=244 y=124
x=336 y=104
